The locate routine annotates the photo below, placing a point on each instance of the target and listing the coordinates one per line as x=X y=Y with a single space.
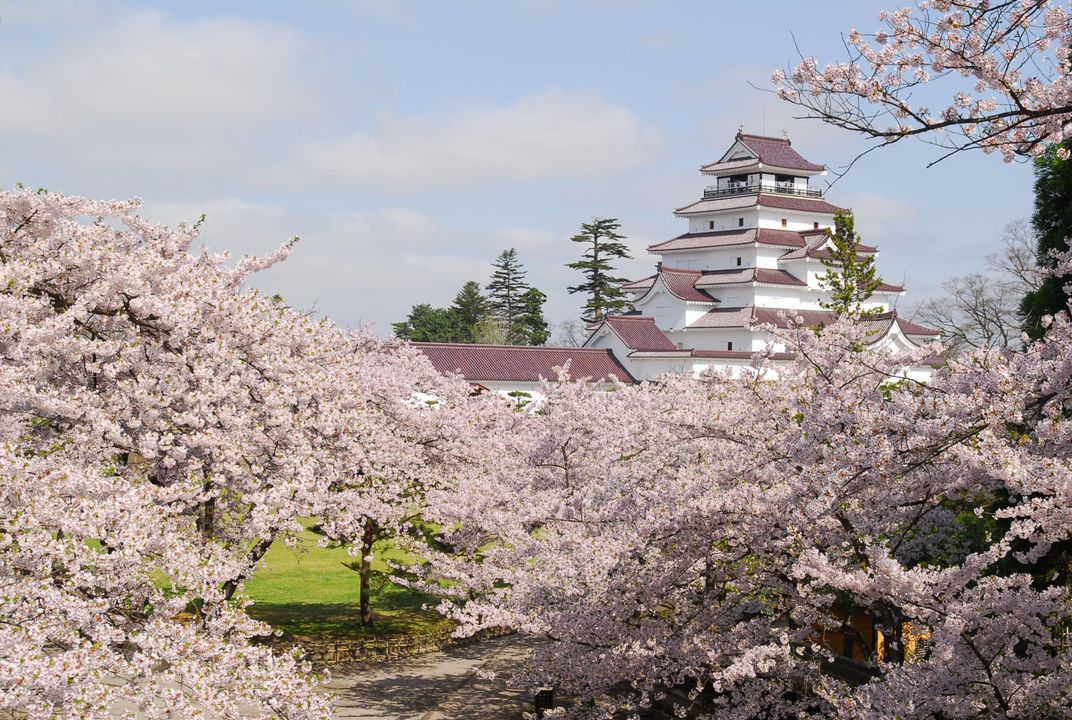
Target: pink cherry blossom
x=1004 y=66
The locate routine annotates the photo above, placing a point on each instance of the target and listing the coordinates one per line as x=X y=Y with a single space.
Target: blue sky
x=407 y=143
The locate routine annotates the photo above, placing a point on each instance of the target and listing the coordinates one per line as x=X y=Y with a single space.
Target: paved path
x=437 y=686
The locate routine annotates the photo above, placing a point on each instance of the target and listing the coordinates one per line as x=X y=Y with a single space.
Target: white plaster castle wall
x=668 y=311
x=716 y=338
x=713 y=259
x=646 y=368
x=607 y=339
x=726 y=221
x=767 y=256
x=794 y=220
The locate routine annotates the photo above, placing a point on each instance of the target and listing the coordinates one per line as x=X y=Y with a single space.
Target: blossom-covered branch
x=705 y=542
x=160 y=427
x=1004 y=66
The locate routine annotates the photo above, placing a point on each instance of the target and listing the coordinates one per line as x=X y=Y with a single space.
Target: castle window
x=729 y=345
x=815 y=225
x=784 y=222
x=738 y=262
x=711 y=225
x=740 y=222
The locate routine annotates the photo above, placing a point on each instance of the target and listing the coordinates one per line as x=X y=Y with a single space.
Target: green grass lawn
x=306 y=591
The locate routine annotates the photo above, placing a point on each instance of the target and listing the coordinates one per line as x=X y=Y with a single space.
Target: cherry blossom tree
x=160 y=427
x=412 y=429
x=1004 y=66
x=700 y=543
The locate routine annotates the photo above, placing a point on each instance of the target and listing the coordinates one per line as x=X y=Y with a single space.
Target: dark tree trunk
x=365 y=573
x=255 y=554
x=206 y=519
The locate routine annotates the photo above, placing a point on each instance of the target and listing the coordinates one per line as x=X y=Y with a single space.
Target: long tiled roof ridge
x=771 y=200
x=713 y=354
x=517 y=363
x=782 y=317
x=639 y=332
x=737 y=276
x=730 y=238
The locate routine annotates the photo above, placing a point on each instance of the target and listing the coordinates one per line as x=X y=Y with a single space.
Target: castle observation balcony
x=787 y=188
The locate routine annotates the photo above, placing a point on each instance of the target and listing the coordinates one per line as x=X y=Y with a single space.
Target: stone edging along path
x=333 y=652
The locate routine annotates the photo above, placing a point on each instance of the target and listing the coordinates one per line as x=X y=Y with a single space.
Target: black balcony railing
x=743 y=189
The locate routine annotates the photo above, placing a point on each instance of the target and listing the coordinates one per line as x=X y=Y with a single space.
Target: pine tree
x=850 y=277
x=604 y=290
x=430 y=324
x=1052 y=222
x=470 y=307
x=532 y=325
x=505 y=291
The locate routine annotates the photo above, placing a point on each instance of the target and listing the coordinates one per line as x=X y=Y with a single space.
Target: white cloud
x=143 y=91
x=368 y=267
x=524 y=238
x=149 y=73
x=548 y=134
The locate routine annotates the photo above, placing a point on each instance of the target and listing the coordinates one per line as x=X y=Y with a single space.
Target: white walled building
x=752 y=256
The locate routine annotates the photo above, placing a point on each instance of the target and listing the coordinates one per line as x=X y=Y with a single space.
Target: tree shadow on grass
x=396 y=610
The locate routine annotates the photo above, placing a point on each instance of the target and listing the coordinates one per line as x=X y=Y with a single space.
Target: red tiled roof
x=724 y=318
x=748 y=316
x=815 y=248
x=521 y=363
x=889 y=288
x=730 y=202
x=639 y=332
x=770 y=236
x=910 y=328
x=880 y=323
x=777 y=277
x=877 y=326
x=762 y=316
x=813 y=244
x=803 y=204
x=735 y=276
x=682 y=284
x=729 y=238
x=775 y=152
x=778 y=152
x=641 y=284
x=770 y=200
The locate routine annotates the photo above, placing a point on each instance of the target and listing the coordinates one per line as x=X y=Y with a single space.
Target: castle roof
x=521 y=363
x=638 y=332
x=682 y=284
x=744 y=276
x=744 y=317
x=729 y=238
x=641 y=284
x=815 y=247
x=768 y=200
x=772 y=152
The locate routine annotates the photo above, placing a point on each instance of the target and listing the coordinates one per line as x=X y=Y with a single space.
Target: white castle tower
x=752 y=255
